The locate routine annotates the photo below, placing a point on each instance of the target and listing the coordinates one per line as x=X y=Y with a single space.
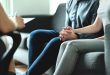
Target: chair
x=97 y=65
x=101 y=59
x=58 y=19
x=90 y=63
x=107 y=48
x=83 y=67
x=7 y=55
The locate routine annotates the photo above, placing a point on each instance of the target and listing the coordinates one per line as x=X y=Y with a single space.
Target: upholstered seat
x=90 y=63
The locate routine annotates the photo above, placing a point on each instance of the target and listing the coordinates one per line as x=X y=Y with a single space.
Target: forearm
x=5 y=21
x=93 y=28
x=102 y=37
x=86 y=29
x=7 y=27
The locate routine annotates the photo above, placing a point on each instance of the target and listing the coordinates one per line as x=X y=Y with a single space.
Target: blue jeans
x=43 y=50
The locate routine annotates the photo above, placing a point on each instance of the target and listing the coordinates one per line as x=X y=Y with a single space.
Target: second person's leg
x=66 y=64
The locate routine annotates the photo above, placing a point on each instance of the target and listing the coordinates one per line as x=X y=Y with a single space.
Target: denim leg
x=47 y=58
x=37 y=40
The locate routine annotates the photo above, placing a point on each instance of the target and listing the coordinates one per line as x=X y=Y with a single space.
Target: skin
x=69 y=34
x=8 y=24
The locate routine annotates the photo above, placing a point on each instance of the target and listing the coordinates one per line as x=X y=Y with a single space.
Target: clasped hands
x=67 y=33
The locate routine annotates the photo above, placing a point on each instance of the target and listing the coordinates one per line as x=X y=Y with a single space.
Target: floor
x=20 y=68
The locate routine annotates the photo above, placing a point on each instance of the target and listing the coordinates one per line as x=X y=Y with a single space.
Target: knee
x=55 y=40
x=73 y=45
x=34 y=37
x=69 y=43
x=63 y=45
x=35 y=33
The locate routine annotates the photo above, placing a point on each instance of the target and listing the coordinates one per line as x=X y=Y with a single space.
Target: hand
x=67 y=34
x=18 y=22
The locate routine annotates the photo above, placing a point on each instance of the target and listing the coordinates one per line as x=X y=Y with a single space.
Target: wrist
x=76 y=31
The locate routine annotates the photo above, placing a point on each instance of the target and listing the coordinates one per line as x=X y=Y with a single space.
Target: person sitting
x=44 y=44
x=69 y=50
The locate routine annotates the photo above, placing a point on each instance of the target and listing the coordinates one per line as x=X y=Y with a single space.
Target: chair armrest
x=107 y=48
x=7 y=56
x=16 y=37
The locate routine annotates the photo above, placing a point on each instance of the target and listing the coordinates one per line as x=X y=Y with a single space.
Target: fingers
x=62 y=34
x=67 y=28
x=20 y=22
x=66 y=33
x=61 y=37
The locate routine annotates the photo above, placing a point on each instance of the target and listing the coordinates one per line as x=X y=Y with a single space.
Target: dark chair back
x=58 y=20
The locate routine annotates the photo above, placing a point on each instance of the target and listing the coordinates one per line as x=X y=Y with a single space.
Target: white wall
x=54 y=4
x=32 y=7
x=5 y=4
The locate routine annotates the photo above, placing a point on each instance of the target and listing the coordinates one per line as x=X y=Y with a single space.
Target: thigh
x=43 y=34
x=71 y=52
x=84 y=45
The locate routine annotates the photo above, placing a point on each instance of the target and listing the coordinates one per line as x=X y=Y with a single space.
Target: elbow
x=5 y=30
x=99 y=28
